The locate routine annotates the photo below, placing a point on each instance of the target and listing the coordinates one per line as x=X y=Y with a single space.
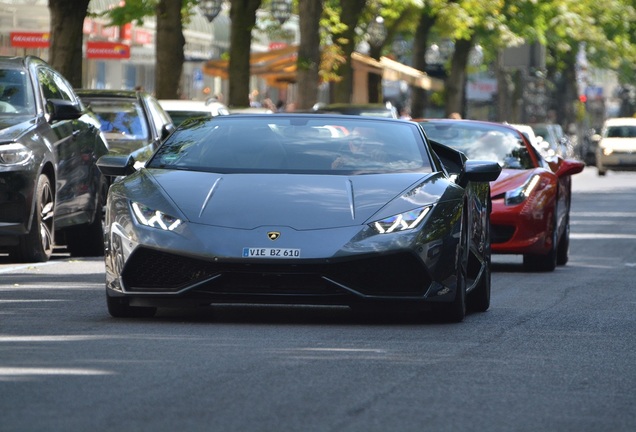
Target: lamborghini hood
x=302 y=202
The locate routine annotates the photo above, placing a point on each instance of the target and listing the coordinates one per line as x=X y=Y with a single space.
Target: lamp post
x=210 y=8
x=377 y=34
x=436 y=57
x=281 y=10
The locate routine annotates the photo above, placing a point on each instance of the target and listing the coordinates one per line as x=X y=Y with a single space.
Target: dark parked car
x=132 y=120
x=277 y=208
x=50 y=188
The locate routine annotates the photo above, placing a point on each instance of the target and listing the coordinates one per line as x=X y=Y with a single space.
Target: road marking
x=22 y=371
x=26 y=266
x=596 y=236
x=603 y=214
x=30 y=301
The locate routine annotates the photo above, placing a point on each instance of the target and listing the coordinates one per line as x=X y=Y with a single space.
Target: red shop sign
x=30 y=40
x=107 y=50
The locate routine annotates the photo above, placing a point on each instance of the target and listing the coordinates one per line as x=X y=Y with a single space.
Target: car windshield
x=16 y=93
x=621 y=131
x=482 y=142
x=543 y=132
x=179 y=117
x=120 y=119
x=294 y=144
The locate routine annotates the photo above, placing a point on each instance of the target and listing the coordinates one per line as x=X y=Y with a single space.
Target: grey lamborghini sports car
x=298 y=209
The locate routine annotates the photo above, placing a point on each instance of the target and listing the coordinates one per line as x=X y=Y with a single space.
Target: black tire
x=547 y=262
x=118 y=307
x=563 y=250
x=455 y=311
x=479 y=297
x=37 y=245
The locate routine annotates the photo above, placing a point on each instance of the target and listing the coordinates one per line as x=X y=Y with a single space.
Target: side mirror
x=116 y=166
x=568 y=167
x=479 y=171
x=60 y=109
x=166 y=130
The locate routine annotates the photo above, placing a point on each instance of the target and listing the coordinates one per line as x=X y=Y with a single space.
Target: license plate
x=250 y=252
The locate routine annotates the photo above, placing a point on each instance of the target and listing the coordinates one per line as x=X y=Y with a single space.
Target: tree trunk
x=243 y=16
x=308 y=63
x=419 y=96
x=65 y=52
x=351 y=9
x=169 y=49
x=456 y=80
x=566 y=115
x=565 y=93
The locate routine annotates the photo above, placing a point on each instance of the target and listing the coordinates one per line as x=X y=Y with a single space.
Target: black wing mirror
x=116 y=166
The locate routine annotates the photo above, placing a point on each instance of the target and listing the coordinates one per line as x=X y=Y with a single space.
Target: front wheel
x=563 y=250
x=455 y=311
x=37 y=244
x=479 y=297
x=548 y=261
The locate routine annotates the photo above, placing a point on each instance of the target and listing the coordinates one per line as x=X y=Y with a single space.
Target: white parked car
x=180 y=110
x=617 y=146
x=528 y=132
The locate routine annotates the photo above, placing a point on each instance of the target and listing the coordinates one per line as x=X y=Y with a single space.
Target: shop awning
x=396 y=71
x=273 y=62
x=279 y=66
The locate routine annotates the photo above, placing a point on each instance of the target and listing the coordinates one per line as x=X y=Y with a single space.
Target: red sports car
x=531 y=197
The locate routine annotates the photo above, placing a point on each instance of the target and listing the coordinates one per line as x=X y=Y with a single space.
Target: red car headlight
x=520 y=194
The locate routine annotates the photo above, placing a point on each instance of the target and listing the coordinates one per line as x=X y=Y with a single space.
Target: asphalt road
x=555 y=352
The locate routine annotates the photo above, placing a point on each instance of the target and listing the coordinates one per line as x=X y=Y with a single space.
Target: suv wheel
x=37 y=245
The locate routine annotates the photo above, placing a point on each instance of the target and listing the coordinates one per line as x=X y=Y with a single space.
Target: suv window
x=54 y=86
x=159 y=115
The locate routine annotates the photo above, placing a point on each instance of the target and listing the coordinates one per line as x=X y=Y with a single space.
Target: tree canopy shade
x=332 y=30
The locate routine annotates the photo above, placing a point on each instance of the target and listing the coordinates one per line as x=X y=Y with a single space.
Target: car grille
x=501 y=233
x=392 y=275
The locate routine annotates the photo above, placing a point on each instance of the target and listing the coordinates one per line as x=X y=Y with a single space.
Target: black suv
x=51 y=191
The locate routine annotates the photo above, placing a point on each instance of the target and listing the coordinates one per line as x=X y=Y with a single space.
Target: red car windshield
x=482 y=142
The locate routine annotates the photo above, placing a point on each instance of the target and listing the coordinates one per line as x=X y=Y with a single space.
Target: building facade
x=124 y=57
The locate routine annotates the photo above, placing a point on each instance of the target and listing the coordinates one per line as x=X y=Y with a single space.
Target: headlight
x=607 y=151
x=519 y=195
x=401 y=222
x=14 y=154
x=154 y=218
